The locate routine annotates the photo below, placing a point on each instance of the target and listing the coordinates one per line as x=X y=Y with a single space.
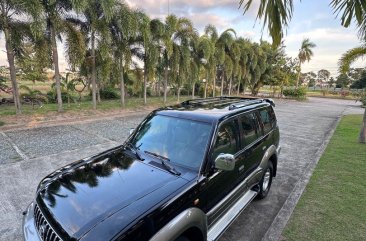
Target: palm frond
x=276 y=15
x=350 y=57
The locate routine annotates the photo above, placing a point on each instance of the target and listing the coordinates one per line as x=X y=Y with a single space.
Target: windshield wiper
x=165 y=162
x=134 y=149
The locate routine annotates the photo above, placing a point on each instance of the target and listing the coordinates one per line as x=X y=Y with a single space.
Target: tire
x=266 y=182
x=182 y=238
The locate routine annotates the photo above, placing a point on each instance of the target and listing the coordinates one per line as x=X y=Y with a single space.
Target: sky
x=312 y=19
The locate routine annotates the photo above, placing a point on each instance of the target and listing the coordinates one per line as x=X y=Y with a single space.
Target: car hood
x=85 y=194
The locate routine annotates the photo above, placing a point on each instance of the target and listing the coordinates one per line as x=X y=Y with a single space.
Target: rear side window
x=249 y=128
x=272 y=117
x=266 y=120
x=227 y=140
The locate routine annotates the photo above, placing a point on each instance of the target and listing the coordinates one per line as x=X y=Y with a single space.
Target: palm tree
x=97 y=15
x=305 y=54
x=344 y=66
x=150 y=50
x=55 y=18
x=12 y=28
x=184 y=39
x=215 y=56
x=169 y=30
x=123 y=29
x=245 y=54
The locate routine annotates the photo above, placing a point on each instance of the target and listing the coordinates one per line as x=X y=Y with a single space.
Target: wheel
x=265 y=183
x=182 y=238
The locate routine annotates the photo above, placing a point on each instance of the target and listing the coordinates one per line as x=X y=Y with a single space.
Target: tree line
x=107 y=41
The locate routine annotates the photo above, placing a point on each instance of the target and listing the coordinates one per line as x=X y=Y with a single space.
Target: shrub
x=138 y=92
x=109 y=94
x=299 y=93
x=2 y=123
x=52 y=96
x=363 y=98
x=344 y=93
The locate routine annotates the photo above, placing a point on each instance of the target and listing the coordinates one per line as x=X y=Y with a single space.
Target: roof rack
x=236 y=102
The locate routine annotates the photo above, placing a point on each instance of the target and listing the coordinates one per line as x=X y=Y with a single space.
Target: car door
x=219 y=183
x=251 y=150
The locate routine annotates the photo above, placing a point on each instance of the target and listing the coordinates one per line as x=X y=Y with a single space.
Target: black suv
x=184 y=173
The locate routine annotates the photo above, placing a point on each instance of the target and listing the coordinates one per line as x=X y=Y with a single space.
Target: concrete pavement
x=26 y=156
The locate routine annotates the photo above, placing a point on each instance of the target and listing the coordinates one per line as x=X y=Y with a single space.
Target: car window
x=183 y=141
x=272 y=117
x=226 y=139
x=266 y=120
x=249 y=128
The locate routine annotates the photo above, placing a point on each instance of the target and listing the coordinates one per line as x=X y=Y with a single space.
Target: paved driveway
x=26 y=156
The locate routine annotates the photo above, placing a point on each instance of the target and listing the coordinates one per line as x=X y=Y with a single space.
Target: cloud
x=322 y=34
x=331 y=44
x=158 y=7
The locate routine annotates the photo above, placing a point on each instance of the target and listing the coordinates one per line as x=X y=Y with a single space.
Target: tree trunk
x=98 y=93
x=193 y=86
x=362 y=138
x=230 y=83
x=165 y=84
x=145 y=86
x=57 y=69
x=178 y=93
x=222 y=84
x=14 y=84
x=238 y=90
x=122 y=85
x=94 y=74
x=298 y=76
x=214 y=85
x=158 y=85
x=244 y=87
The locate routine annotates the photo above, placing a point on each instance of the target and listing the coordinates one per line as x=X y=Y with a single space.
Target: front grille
x=45 y=231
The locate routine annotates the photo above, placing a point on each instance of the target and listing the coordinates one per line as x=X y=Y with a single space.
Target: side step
x=223 y=223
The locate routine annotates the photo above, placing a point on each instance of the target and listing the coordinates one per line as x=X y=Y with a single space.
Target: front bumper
x=29 y=228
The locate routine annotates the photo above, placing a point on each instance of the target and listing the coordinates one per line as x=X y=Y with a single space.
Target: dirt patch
x=50 y=119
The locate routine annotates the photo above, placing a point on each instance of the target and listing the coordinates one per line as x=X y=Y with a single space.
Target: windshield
x=181 y=141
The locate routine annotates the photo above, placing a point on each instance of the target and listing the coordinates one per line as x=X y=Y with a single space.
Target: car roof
x=213 y=109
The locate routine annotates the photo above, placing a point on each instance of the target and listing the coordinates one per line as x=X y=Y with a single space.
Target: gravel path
x=28 y=155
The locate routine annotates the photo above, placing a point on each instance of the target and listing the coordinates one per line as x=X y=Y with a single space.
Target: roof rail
x=245 y=103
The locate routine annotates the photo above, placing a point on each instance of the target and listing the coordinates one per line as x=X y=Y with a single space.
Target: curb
x=279 y=223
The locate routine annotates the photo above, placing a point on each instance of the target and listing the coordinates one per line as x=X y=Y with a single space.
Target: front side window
x=182 y=141
x=249 y=128
x=226 y=140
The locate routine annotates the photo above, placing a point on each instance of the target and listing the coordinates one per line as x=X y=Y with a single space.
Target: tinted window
x=182 y=141
x=226 y=140
x=272 y=116
x=249 y=128
x=266 y=120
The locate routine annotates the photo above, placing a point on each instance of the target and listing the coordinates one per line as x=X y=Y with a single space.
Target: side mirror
x=132 y=130
x=225 y=162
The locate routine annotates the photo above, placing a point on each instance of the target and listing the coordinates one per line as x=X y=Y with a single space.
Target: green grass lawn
x=333 y=206
x=132 y=103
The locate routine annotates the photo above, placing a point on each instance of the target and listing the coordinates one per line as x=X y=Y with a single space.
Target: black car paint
x=149 y=211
